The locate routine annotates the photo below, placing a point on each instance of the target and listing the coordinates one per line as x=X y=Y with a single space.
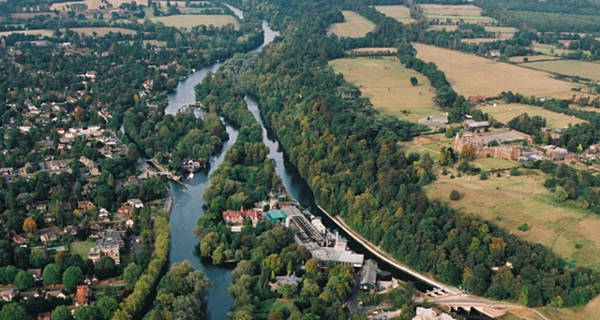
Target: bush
x=483 y=175
x=454 y=195
x=523 y=227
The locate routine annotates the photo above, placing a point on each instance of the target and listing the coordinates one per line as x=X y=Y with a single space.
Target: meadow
x=472 y=75
x=431 y=143
x=354 y=26
x=192 y=20
x=576 y=68
x=399 y=12
x=386 y=82
x=92 y=4
x=491 y=164
x=550 y=50
x=456 y=13
x=512 y=201
x=541 y=57
x=101 y=31
x=506 y=112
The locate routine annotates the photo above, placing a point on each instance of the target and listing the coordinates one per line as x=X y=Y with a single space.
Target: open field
x=504 y=31
x=192 y=20
x=512 y=201
x=506 y=112
x=30 y=15
x=431 y=143
x=91 y=4
x=479 y=40
x=467 y=13
x=386 y=82
x=472 y=75
x=576 y=68
x=399 y=12
x=550 y=50
x=490 y=164
x=100 y=31
x=519 y=59
x=374 y=50
x=40 y=32
x=81 y=248
x=354 y=26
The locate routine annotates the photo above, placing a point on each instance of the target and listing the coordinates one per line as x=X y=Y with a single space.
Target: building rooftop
x=327 y=254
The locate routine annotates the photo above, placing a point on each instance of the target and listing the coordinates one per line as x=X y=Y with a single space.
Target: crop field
x=91 y=4
x=40 y=32
x=519 y=59
x=354 y=26
x=473 y=75
x=386 y=82
x=511 y=201
x=576 y=68
x=100 y=31
x=399 y=12
x=192 y=20
x=466 y=13
x=506 y=112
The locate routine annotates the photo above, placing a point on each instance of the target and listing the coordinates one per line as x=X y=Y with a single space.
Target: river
x=188 y=202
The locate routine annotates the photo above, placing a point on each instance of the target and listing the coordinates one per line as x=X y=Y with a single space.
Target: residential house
x=82 y=295
x=136 y=203
x=85 y=205
x=8 y=294
x=125 y=210
x=49 y=234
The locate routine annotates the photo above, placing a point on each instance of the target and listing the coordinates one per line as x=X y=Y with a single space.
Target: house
x=82 y=295
x=136 y=203
x=49 y=234
x=85 y=205
x=125 y=210
x=56 y=294
x=290 y=280
x=368 y=276
x=8 y=294
x=476 y=100
x=109 y=246
x=232 y=217
x=91 y=75
x=430 y=314
x=276 y=216
x=238 y=217
x=90 y=165
x=435 y=121
x=476 y=126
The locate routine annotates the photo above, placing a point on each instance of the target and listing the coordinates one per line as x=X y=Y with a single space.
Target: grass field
x=489 y=164
x=386 y=82
x=354 y=26
x=550 y=50
x=374 y=50
x=473 y=75
x=101 y=31
x=431 y=144
x=81 y=248
x=519 y=59
x=506 y=112
x=479 y=40
x=93 y=4
x=192 y=20
x=467 y=13
x=40 y=32
x=398 y=12
x=503 y=32
x=511 y=201
x=577 y=68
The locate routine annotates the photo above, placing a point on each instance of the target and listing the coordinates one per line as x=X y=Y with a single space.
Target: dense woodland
x=356 y=169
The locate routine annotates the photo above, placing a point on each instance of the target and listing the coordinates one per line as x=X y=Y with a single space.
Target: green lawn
x=489 y=164
x=81 y=248
x=271 y=304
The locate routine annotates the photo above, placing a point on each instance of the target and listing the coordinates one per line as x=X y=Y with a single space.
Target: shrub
x=454 y=195
x=523 y=227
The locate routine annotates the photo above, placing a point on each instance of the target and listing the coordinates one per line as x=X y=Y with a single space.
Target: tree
x=105 y=267
x=454 y=195
x=36 y=258
x=276 y=314
x=51 y=274
x=13 y=311
x=131 y=273
x=87 y=313
x=414 y=81
x=286 y=291
x=107 y=306
x=72 y=277
x=29 y=225
x=23 y=280
x=61 y=313
x=560 y=194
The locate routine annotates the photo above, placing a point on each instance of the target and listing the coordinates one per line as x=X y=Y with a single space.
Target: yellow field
x=467 y=13
x=40 y=32
x=192 y=20
x=473 y=75
x=519 y=59
x=93 y=4
x=100 y=31
x=511 y=201
x=577 y=68
x=386 y=82
x=354 y=26
x=398 y=12
x=506 y=112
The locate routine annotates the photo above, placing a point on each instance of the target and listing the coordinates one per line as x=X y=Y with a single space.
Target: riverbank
x=384 y=255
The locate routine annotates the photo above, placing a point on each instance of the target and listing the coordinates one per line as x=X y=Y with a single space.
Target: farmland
x=398 y=12
x=576 y=68
x=519 y=59
x=506 y=112
x=91 y=4
x=473 y=75
x=100 y=31
x=354 y=26
x=192 y=20
x=386 y=82
x=456 y=13
x=512 y=201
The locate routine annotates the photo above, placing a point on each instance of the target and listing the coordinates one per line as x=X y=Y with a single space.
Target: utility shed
x=368 y=276
x=276 y=216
